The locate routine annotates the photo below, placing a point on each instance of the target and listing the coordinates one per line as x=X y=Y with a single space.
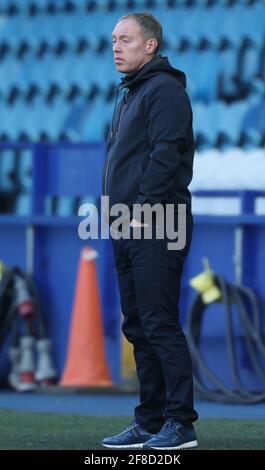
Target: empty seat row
x=210 y=75
x=81 y=121
x=69 y=94
x=52 y=7
x=194 y=25
x=216 y=124
x=36 y=48
x=239 y=124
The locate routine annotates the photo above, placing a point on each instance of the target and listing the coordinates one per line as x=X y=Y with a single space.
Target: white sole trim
x=186 y=445
x=131 y=446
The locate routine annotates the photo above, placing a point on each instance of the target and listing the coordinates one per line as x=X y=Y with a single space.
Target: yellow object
x=2 y=269
x=204 y=284
x=128 y=362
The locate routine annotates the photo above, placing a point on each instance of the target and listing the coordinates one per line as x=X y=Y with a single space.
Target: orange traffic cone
x=86 y=364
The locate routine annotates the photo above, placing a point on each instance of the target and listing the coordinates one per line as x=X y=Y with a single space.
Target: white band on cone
x=89 y=255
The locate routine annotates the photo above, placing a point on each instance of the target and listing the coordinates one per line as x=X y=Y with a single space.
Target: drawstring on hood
x=115 y=106
x=114 y=111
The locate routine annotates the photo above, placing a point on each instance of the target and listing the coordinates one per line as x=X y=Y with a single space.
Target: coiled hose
x=249 y=315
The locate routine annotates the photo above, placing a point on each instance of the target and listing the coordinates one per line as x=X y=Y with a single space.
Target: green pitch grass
x=46 y=431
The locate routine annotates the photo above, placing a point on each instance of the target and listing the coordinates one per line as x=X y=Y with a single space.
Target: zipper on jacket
x=120 y=118
x=108 y=161
x=106 y=175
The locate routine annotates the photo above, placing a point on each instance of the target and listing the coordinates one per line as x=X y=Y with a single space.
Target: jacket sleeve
x=169 y=124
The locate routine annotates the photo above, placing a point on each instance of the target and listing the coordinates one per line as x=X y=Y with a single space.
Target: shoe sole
x=186 y=445
x=129 y=446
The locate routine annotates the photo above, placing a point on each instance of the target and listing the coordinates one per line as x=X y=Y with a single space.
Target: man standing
x=149 y=161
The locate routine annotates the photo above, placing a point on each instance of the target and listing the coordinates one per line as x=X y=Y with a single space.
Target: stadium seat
x=8 y=175
x=58 y=76
x=253 y=125
x=24 y=171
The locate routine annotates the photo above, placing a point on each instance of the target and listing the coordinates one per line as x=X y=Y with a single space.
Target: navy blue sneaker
x=132 y=437
x=173 y=435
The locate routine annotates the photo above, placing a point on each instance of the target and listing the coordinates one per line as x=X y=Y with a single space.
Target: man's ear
x=151 y=46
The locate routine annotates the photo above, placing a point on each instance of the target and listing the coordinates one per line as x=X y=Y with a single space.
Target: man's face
x=131 y=49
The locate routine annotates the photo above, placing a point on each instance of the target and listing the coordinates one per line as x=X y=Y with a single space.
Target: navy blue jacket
x=150 y=146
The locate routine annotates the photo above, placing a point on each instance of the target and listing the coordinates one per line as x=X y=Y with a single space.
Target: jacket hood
x=156 y=65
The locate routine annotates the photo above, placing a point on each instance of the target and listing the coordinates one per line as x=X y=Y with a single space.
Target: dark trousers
x=149 y=281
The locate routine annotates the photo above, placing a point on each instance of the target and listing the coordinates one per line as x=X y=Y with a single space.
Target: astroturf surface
x=45 y=431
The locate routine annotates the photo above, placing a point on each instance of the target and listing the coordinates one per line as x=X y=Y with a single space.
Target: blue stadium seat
x=23 y=205
x=94 y=125
x=24 y=171
x=7 y=171
x=8 y=124
x=230 y=123
x=249 y=63
x=25 y=122
x=202 y=70
x=228 y=73
x=204 y=74
x=253 y=125
x=22 y=4
x=65 y=206
x=10 y=74
x=76 y=117
x=205 y=134
x=255 y=22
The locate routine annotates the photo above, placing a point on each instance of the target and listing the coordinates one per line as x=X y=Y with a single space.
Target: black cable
x=7 y=310
x=228 y=300
x=249 y=316
x=14 y=333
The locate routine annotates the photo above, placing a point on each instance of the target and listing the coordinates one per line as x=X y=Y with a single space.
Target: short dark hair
x=149 y=24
